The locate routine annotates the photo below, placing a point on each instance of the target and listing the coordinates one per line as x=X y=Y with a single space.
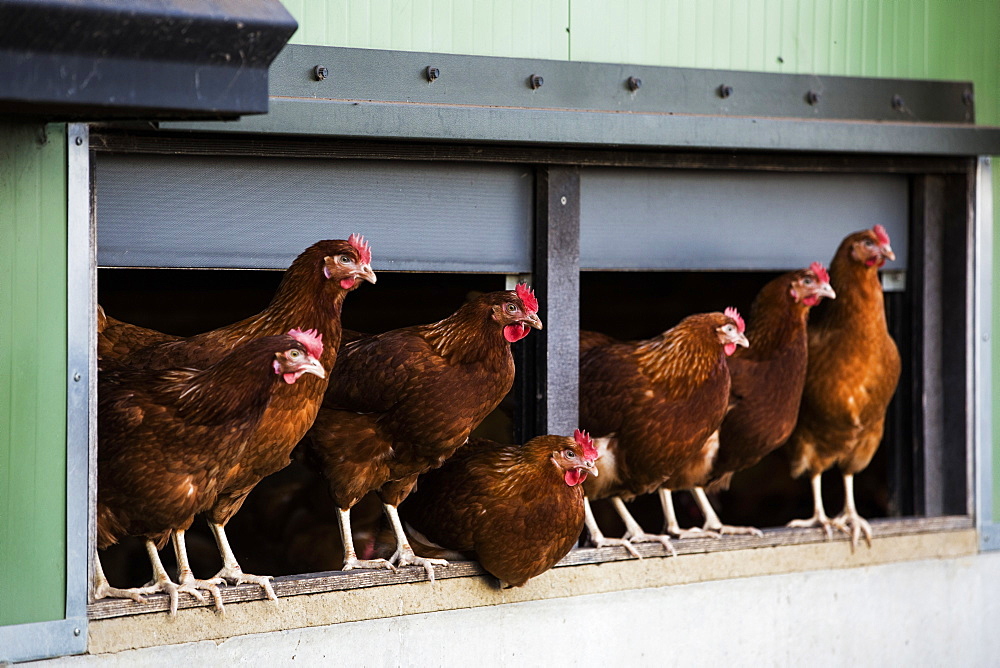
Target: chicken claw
x=352 y=562
x=231 y=571
x=405 y=556
x=597 y=539
x=823 y=522
x=641 y=536
x=854 y=526
x=236 y=576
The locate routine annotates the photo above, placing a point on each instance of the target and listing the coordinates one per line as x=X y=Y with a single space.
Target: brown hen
x=168 y=438
x=517 y=509
x=654 y=403
x=767 y=380
x=311 y=295
x=402 y=402
x=853 y=370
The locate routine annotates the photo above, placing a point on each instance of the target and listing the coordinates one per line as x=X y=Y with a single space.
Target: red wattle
x=574 y=477
x=811 y=300
x=730 y=348
x=290 y=378
x=515 y=332
x=347 y=283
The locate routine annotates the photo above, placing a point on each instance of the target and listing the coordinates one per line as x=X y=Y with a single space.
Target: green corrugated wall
x=32 y=373
x=921 y=39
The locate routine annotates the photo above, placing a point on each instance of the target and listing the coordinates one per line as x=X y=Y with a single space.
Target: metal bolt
x=79 y=141
x=725 y=91
x=897 y=103
x=76 y=377
x=535 y=81
x=634 y=83
x=562 y=200
x=76 y=632
x=813 y=97
x=968 y=97
x=320 y=72
x=432 y=73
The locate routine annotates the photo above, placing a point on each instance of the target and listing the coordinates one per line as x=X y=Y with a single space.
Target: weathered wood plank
x=314 y=583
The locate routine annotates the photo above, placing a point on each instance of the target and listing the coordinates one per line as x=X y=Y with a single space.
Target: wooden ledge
x=328 y=598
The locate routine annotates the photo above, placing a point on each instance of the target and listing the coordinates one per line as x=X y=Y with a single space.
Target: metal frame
x=562 y=133
x=982 y=427
x=26 y=642
x=390 y=95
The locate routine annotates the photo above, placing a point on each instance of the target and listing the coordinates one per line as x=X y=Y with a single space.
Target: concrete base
x=929 y=612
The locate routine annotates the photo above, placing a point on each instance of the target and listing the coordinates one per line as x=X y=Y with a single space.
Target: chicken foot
x=819 y=518
x=672 y=527
x=598 y=539
x=849 y=521
x=161 y=582
x=404 y=555
x=185 y=576
x=634 y=533
x=102 y=589
x=351 y=560
x=231 y=572
x=712 y=521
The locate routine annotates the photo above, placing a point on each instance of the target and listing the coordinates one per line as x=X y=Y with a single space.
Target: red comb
x=360 y=245
x=527 y=296
x=881 y=235
x=311 y=339
x=731 y=312
x=821 y=273
x=584 y=440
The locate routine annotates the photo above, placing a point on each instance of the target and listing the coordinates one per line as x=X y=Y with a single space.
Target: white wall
x=923 y=613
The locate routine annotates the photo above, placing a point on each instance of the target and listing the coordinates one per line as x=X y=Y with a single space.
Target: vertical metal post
x=557 y=283
x=982 y=413
x=81 y=452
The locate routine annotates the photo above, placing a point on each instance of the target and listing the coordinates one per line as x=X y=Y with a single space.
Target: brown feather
x=508 y=505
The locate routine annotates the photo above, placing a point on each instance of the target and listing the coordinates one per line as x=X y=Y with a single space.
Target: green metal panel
x=32 y=373
x=521 y=28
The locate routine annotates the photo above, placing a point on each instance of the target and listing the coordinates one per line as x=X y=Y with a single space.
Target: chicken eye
x=868 y=243
x=511 y=308
x=807 y=281
x=570 y=454
x=294 y=354
x=345 y=259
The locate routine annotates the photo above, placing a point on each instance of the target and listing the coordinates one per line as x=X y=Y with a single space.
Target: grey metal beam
x=661 y=130
x=557 y=281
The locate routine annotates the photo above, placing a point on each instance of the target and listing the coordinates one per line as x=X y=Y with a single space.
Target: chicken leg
x=634 y=533
x=672 y=526
x=351 y=560
x=598 y=539
x=404 y=555
x=712 y=521
x=849 y=521
x=185 y=576
x=160 y=583
x=231 y=571
x=819 y=518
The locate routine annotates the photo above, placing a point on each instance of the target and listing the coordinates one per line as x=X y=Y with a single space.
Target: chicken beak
x=590 y=466
x=741 y=340
x=887 y=252
x=533 y=321
x=826 y=290
x=313 y=366
x=366 y=273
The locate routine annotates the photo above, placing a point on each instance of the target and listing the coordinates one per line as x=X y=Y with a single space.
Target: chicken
x=767 y=380
x=167 y=440
x=400 y=403
x=517 y=509
x=654 y=403
x=311 y=294
x=853 y=370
